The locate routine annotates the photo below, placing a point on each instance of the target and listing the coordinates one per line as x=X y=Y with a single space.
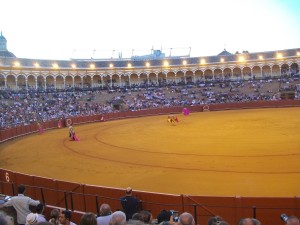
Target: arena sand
x=228 y=153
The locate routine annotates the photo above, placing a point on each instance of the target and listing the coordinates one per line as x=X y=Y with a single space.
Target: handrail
x=199 y=204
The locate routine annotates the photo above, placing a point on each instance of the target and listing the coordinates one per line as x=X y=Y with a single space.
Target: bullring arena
x=240 y=152
x=235 y=155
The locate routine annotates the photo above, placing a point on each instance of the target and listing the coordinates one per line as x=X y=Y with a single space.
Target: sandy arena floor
x=228 y=153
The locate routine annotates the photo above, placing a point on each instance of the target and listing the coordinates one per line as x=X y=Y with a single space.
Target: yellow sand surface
x=228 y=153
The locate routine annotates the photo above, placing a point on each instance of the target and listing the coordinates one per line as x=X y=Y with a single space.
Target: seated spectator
x=136 y=219
x=105 y=215
x=223 y=223
x=247 y=221
x=6 y=219
x=186 y=219
x=54 y=217
x=3 y=220
x=31 y=219
x=256 y=221
x=44 y=223
x=147 y=216
x=40 y=210
x=163 y=216
x=292 y=220
x=65 y=218
x=88 y=219
x=214 y=220
x=118 y=218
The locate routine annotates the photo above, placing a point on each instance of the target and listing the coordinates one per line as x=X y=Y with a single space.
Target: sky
x=65 y=29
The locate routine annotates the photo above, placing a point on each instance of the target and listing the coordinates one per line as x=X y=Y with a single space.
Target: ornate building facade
x=22 y=73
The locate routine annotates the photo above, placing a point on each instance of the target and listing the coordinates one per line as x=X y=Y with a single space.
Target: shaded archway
x=276 y=71
x=50 y=84
x=227 y=73
x=171 y=79
x=237 y=73
x=256 y=72
x=11 y=82
x=294 y=69
x=21 y=81
x=40 y=82
x=198 y=76
x=77 y=82
x=247 y=73
x=31 y=82
x=218 y=74
x=69 y=81
x=208 y=74
x=152 y=79
x=97 y=82
x=134 y=79
x=60 y=82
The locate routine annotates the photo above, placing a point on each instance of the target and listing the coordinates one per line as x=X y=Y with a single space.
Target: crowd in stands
x=130 y=214
x=26 y=107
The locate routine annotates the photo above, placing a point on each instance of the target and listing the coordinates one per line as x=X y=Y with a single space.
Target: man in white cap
x=129 y=204
x=31 y=219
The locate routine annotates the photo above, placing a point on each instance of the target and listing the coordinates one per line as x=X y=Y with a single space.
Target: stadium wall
x=82 y=198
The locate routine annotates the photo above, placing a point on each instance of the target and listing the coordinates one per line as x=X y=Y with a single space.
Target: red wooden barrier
x=6 y=182
x=105 y=195
x=77 y=196
x=49 y=190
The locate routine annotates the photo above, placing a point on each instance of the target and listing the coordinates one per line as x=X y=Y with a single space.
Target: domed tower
x=224 y=53
x=3 y=48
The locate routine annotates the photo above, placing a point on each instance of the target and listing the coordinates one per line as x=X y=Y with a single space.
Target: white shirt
x=21 y=204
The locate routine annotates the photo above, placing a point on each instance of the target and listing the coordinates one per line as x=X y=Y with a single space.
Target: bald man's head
x=186 y=219
x=292 y=220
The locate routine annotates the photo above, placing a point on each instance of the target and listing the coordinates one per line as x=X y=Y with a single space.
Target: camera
x=175 y=215
x=284 y=217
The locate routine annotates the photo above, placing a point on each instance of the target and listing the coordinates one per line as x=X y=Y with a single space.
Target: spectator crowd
x=26 y=107
x=130 y=214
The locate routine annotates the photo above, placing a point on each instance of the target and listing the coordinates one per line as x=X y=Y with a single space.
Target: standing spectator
x=21 y=204
x=65 y=218
x=88 y=219
x=129 y=204
x=40 y=210
x=105 y=215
